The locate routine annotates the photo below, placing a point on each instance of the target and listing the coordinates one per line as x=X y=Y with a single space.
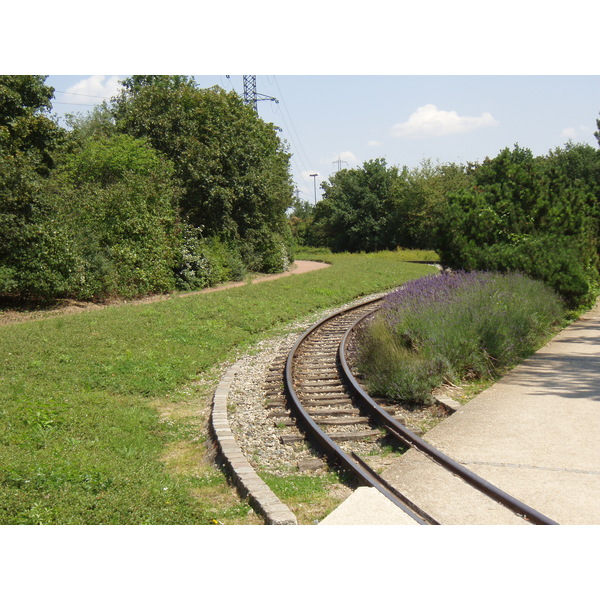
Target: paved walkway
x=534 y=434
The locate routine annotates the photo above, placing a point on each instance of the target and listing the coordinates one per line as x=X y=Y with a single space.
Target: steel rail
x=325 y=443
x=404 y=434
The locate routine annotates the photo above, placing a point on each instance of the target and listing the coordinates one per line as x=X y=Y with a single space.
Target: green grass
x=103 y=416
x=307 y=496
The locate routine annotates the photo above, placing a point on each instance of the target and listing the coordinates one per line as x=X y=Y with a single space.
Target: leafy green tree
x=27 y=139
x=359 y=210
x=98 y=122
x=231 y=166
x=117 y=197
x=301 y=222
x=25 y=126
x=424 y=197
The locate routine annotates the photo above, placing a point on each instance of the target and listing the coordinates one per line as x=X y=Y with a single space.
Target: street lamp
x=314 y=175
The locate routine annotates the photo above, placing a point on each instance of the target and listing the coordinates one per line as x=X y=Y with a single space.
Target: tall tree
x=359 y=208
x=27 y=138
x=231 y=165
x=536 y=215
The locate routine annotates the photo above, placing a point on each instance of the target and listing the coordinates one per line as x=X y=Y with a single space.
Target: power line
x=291 y=121
x=304 y=167
x=86 y=95
x=305 y=170
x=71 y=103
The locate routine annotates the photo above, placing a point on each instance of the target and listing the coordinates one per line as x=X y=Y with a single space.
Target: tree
x=424 y=198
x=359 y=208
x=24 y=126
x=302 y=224
x=104 y=224
x=27 y=139
x=231 y=166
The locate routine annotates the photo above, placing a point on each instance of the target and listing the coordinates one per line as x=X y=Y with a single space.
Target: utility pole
x=339 y=162
x=251 y=96
x=314 y=176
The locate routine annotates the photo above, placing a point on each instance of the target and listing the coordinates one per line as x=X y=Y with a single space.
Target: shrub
x=538 y=216
x=110 y=208
x=453 y=326
x=264 y=251
x=204 y=262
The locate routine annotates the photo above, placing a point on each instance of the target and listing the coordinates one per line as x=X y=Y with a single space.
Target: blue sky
x=404 y=119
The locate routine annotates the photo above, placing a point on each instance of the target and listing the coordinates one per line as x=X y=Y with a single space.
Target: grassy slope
x=100 y=418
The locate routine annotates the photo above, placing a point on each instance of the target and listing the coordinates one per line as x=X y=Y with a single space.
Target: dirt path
x=74 y=306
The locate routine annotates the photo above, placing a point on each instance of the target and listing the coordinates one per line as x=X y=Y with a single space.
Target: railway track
x=337 y=416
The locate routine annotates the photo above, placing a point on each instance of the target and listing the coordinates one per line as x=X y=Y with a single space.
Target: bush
x=204 y=262
x=538 y=216
x=562 y=262
x=264 y=251
x=103 y=225
x=453 y=326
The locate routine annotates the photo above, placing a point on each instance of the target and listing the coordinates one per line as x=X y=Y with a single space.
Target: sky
x=330 y=122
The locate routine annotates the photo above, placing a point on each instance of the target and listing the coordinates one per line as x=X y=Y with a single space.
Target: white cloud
x=429 y=121
x=569 y=132
x=349 y=157
x=576 y=132
x=374 y=143
x=93 y=90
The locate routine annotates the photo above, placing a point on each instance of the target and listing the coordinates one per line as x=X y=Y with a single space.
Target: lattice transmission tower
x=251 y=96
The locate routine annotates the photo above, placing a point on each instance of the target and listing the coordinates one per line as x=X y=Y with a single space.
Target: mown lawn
x=104 y=414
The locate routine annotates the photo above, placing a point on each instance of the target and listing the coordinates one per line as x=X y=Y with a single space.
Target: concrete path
x=534 y=434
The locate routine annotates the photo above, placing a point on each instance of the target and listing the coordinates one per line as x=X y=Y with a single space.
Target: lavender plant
x=453 y=326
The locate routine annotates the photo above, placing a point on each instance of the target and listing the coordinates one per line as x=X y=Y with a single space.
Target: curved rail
x=377 y=414
x=331 y=449
x=408 y=437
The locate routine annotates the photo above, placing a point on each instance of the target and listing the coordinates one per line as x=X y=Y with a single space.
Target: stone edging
x=447 y=402
x=249 y=484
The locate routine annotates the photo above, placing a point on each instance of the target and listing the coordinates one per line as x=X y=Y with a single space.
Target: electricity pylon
x=339 y=162
x=251 y=96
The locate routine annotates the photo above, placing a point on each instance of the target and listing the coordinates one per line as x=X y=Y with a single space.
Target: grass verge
x=104 y=414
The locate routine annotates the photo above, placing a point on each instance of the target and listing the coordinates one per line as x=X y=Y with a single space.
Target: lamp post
x=314 y=176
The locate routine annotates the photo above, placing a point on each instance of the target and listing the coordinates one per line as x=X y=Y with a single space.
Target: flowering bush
x=453 y=326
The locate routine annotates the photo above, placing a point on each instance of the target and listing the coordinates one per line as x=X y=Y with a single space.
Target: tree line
x=167 y=186
x=172 y=187
x=538 y=215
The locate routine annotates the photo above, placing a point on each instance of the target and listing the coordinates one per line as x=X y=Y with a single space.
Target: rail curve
x=317 y=372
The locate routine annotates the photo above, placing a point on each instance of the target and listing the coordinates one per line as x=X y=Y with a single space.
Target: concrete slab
x=367 y=506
